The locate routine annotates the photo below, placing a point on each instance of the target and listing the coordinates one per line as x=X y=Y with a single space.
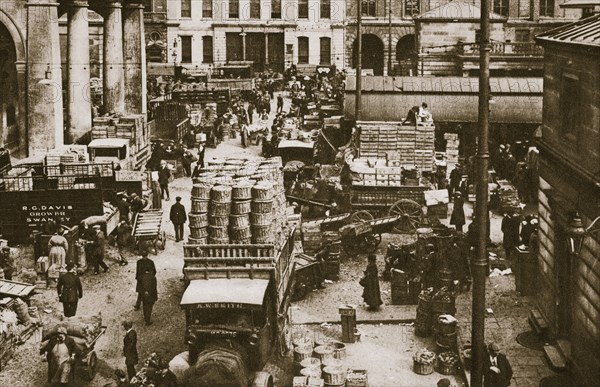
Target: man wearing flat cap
x=496 y=368
x=60 y=353
x=69 y=290
x=178 y=217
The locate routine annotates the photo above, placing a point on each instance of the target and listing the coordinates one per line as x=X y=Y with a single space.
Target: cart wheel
x=361 y=216
x=92 y=363
x=371 y=242
x=411 y=213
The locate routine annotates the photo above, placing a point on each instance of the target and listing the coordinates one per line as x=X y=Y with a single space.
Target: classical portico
x=33 y=28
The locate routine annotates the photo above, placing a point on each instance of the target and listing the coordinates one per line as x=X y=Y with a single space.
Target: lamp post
x=174 y=54
x=358 y=102
x=576 y=233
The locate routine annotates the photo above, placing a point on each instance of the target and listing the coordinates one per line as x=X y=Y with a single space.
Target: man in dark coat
x=455 y=177
x=496 y=368
x=279 y=103
x=510 y=232
x=164 y=176
x=149 y=293
x=178 y=217
x=98 y=249
x=60 y=353
x=370 y=282
x=457 y=218
x=130 y=351
x=69 y=290
x=144 y=265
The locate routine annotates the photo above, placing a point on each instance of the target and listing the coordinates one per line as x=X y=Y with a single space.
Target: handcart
x=88 y=358
x=147 y=229
x=307 y=274
x=365 y=236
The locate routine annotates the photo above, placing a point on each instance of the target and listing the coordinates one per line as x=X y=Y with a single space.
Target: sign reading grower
x=38 y=214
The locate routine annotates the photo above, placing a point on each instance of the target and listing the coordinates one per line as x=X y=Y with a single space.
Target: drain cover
x=530 y=339
x=559 y=380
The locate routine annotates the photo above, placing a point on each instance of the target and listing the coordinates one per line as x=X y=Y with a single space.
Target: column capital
x=76 y=3
x=112 y=4
x=133 y=4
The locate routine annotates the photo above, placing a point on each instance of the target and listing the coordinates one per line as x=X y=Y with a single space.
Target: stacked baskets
x=239 y=219
x=261 y=216
x=320 y=360
x=198 y=218
x=219 y=209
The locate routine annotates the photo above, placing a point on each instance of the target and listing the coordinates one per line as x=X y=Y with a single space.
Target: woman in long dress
x=58 y=247
x=370 y=283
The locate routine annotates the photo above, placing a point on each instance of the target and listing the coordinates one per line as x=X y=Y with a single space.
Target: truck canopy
x=225 y=293
x=108 y=143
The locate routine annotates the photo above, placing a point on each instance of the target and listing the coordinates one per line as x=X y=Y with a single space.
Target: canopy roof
x=245 y=291
x=108 y=143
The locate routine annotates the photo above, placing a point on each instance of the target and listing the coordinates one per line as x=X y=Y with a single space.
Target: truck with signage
x=31 y=195
x=236 y=306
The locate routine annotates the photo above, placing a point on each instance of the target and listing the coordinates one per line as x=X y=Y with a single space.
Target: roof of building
x=584 y=32
x=457 y=11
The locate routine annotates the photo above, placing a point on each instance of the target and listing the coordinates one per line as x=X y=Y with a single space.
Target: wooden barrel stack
x=261 y=217
x=198 y=218
x=240 y=212
x=219 y=209
x=423 y=320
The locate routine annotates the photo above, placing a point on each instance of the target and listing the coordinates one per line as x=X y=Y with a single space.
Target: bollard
x=348 y=315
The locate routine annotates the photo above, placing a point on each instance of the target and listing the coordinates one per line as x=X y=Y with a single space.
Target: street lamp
x=174 y=54
x=576 y=233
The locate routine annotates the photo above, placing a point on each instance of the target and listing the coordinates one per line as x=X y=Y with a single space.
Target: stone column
x=134 y=53
x=22 y=110
x=78 y=72
x=44 y=78
x=113 y=81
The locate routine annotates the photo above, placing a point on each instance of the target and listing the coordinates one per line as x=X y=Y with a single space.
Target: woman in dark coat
x=370 y=282
x=457 y=219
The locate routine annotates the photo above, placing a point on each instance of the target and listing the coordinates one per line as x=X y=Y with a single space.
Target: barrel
x=445 y=328
x=197 y=241
x=399 y=287
x=219 y=209
x=311 y=372
x=239 y=221
x=242 y=191
x=218 y=232
x=323 y=352
x=201 y=191
x=199 y=206
x=240 y=235
x=221 y=194
x=303 y=341
x=261 y=234
x=311 y=362
x=218 y=241
x=198 y=232
x=339 y=350
x=259 y=219
x=333 y=363
x=262 y=191
x=262 y=206
x=205 y=178
x=330 y=236
x=301 y=353
x=218 y=221
x=198 y=220
x=334 y=376
x=241 y=207
x=443 y=306
x=322 y=340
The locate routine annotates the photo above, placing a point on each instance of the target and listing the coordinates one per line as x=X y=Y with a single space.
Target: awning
x=239 y=291
x=108 y=143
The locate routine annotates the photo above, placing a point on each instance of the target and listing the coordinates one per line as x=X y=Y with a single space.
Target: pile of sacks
x=83 y=330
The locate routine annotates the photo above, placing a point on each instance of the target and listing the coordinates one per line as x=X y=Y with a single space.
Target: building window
x=325 y=9
x=207 y=9
x=303 y=50
x=148 y=5
x=368 y=7
x=547 y=8
x=275 y=9
x=325 y=51
x=234 y=9
x=569 y=105
x=186 y=49
x=234 y=45
x=303 y=9
x=254 y=9
x=207 y=49
x=501 y=7
x=411 y=7
x=186 y=8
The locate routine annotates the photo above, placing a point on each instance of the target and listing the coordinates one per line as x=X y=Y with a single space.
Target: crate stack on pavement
x=452 y=144
x=237 y=201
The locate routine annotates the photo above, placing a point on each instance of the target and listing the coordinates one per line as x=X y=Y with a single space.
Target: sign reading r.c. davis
x=38 y=214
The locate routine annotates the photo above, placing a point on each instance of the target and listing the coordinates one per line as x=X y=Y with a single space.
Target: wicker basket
x=218 y=232
x=262 y=191
x=198 y=232
x=240 y=234
x=422 y=369
x=239 y=221
x=257 y=219
x=218 y=221
x=334 y=376
x=221 y=194
x=197 y=241
x=242 y=191
x=261 y=232
x=201 y=191
x=262 y=207
x=218 y=241
x=205 y=178
x=198 y=220
x=199 y=206
x=241 y=208
x=219 y=209
x=447 y=369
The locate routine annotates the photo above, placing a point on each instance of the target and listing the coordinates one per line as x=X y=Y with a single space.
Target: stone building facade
x=49 y=101
x=568 y=282
x=270 y=34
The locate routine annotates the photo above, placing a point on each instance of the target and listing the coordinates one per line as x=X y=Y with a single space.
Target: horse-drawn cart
x=364 y=236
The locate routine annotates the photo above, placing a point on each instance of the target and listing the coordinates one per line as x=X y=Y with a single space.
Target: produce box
x=357 y=378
